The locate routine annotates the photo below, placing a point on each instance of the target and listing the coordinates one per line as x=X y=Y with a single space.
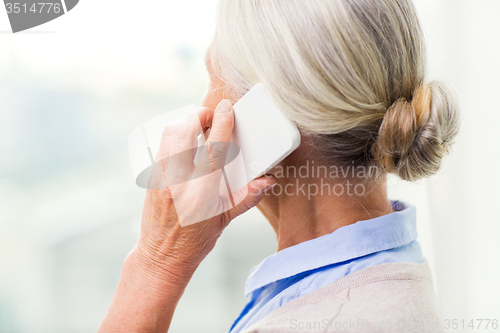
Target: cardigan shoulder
x=385 y=297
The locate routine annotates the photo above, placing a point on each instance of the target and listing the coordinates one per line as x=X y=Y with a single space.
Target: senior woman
x=350 y=74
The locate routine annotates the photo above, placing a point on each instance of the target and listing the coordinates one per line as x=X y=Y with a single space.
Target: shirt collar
x=346 y=243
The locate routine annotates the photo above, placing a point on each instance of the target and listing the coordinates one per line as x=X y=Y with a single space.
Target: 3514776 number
x=36 y=8
x=473 y=324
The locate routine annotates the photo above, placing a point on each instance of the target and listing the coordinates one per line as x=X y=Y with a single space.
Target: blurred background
x=72 y=90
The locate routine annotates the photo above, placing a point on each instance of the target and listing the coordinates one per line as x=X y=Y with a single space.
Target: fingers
x=204 y=120
x=222 y=123
x=253 y=194
x=181 y=140
x=213 y=156
x=206 y=115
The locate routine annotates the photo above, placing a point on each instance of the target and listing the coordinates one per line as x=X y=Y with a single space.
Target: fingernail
x=224 y=106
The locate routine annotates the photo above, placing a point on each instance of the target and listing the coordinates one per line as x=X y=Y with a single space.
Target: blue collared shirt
x=308 y=266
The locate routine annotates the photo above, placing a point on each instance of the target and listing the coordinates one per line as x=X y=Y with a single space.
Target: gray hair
x=349 y=73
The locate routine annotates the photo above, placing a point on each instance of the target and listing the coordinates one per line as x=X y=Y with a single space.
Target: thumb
x=251 y=194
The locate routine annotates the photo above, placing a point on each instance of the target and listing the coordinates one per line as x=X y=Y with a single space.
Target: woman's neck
x=301 y=208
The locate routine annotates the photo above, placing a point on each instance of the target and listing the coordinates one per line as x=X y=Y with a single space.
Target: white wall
x=464 y=49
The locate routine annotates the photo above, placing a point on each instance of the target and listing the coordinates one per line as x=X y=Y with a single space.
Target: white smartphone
x=262 y=133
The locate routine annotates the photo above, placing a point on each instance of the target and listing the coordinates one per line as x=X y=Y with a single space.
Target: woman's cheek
x=213 y=95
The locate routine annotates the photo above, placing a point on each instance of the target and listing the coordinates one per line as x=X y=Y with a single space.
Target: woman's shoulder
x=383 y=297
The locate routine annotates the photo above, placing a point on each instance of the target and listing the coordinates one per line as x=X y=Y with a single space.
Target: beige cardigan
x=394 y=297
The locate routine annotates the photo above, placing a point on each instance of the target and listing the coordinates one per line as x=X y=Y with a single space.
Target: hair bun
x=415 y=135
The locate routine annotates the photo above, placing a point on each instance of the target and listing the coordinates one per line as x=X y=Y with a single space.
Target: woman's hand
x=194 y=195
x=157 y=271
